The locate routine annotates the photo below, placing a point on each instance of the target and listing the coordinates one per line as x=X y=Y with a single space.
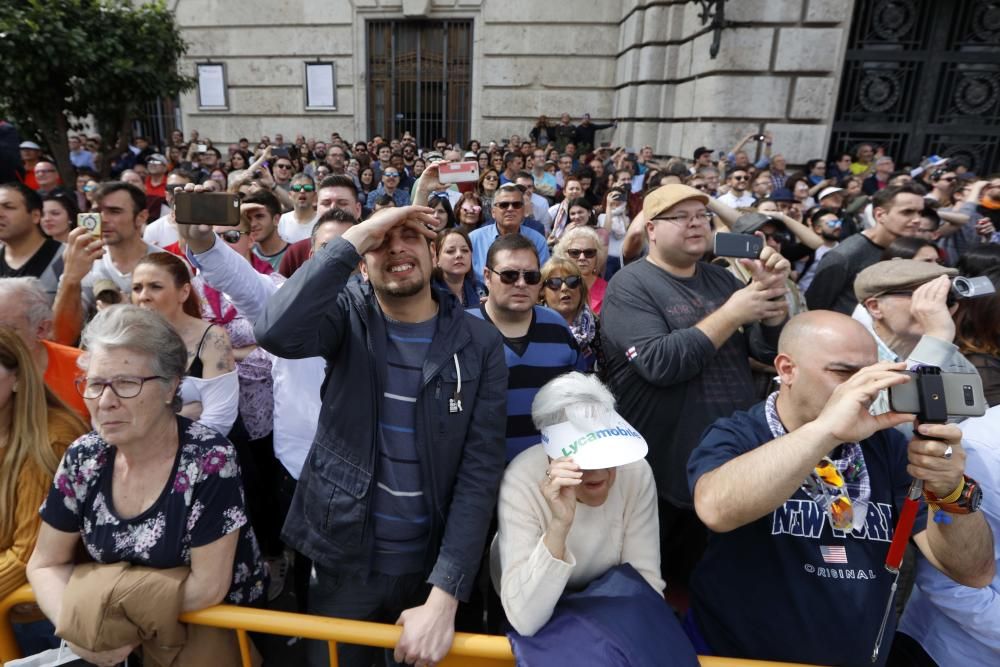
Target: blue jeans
x=379 y=597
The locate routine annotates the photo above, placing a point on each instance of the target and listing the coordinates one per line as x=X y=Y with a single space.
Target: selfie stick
x=930 y=389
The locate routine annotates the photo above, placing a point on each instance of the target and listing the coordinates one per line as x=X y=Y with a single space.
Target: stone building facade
x=645 y=62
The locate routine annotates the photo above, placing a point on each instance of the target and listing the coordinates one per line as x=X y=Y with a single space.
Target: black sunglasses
x=231 y=235
x=504 y=205
x=303 y=188
x=510 y=276
x=589 y=253
x=571 y=282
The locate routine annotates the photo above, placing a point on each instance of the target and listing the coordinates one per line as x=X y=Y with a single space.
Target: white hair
x=571 y=397
x=32 y=297
x=582 y=232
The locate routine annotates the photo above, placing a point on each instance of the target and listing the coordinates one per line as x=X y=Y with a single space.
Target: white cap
x=606 y=442
x=30 y=144
x=827 y=192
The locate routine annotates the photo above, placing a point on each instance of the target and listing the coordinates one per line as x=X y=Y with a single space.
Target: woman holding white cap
x=575 y=506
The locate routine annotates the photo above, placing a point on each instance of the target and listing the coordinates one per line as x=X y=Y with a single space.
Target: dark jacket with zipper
x=319 y=312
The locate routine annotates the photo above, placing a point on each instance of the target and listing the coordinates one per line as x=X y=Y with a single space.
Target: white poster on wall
x=320 y=86
x=212 y=86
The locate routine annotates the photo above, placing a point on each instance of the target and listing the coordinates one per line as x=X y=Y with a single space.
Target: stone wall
x=777 y=69
x=644 y=61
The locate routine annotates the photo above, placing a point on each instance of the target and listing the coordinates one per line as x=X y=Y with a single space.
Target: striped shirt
x=546 y=352
x=401 y=514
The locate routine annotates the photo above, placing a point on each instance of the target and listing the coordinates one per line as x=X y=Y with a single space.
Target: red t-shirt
x=61 y=373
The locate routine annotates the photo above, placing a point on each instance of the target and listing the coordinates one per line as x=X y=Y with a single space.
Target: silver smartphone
x=963 y=395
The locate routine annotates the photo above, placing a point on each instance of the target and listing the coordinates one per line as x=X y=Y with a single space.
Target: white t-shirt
x=160 y=232
x=291 y=230
x=729 y=199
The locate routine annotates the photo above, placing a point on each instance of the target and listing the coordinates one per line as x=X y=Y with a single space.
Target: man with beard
x=827 y=224
x=738 y=195
x=396 y=495
x=297 y=224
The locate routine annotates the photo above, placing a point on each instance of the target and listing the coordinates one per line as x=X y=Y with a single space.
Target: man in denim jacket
x=397 y=492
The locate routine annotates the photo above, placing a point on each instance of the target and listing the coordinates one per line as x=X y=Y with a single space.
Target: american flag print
x=833 y=554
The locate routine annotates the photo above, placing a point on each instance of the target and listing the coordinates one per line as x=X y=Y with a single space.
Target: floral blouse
x=202 y=503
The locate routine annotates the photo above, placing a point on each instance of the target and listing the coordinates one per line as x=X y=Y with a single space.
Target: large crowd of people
x=381 y=396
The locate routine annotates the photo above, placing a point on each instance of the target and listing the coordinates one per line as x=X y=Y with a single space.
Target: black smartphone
x=760 y=137
x=963 y=395
x=207 y=208
x=745 y=246
x=279 y=151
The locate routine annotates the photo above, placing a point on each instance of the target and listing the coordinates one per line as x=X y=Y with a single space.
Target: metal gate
x=419 y=79
x=922 y=77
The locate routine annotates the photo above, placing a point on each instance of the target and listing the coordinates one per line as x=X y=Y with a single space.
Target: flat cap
x=896 y=275
x=748 y=223
x=667 y=196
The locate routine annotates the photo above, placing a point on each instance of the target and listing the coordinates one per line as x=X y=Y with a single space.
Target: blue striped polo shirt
x=551 y=351
x=402 y=515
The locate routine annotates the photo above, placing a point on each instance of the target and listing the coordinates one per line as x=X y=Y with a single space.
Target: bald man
x=802 y=493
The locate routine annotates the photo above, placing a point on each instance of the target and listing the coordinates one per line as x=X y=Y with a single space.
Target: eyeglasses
x=391 y=174
x=589 y=253
x=510 y=276
x=123 y=387
x=571 y=282
x=303 y=188
x=701 y=217
x=504 y=205
x=231 y=235
x=741 y=178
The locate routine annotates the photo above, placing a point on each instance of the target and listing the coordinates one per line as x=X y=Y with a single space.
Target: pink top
x=596 y=294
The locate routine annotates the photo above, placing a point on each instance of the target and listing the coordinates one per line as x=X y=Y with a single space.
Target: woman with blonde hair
x=582 y=246
x=564 y=290
x=35 y=430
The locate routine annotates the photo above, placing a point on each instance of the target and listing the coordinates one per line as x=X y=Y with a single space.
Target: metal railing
x=468 y=650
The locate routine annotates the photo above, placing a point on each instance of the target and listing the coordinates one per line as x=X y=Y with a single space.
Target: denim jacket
x=319 y=312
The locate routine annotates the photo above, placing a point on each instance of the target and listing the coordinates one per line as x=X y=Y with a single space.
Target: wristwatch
x=970 y=498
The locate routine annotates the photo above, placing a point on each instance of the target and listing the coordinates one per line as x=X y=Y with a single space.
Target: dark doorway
x=419 y=79
x=922 y=77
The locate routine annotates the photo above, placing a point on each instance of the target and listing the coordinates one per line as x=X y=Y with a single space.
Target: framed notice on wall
x=321 y=86
x=212 y=93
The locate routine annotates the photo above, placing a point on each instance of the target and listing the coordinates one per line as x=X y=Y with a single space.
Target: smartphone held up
x=207 y=208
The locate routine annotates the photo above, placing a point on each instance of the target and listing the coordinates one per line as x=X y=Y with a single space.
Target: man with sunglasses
x=296 y=225
x=397 y=493
x=283 y=171
x=738 y=195
x=390 y=186
x=538 y=346
x=828 y=225
x=678 y=334
x=508 y=216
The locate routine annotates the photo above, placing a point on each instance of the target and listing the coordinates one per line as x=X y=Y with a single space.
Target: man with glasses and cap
x=678 y=334
x=508 y=214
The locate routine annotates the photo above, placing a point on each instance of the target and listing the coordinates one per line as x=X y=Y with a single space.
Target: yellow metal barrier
x=468 y=650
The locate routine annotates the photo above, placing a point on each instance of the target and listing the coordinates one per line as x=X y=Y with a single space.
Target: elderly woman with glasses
x=574 y=506
x=564 y=290
x=147 y=486
x=582 y=246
